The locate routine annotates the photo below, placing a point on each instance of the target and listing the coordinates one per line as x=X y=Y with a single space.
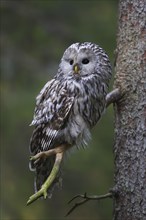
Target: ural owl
x=69 y=106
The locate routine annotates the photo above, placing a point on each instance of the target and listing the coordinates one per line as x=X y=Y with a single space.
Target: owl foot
x=46 y=154
x=50 y=179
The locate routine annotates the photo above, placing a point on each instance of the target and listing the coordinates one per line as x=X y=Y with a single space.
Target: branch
x=85 y=199
x=113 y=96
x=49 y=181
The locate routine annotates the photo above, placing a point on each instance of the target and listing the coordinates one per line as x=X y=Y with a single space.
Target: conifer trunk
x=130 y=112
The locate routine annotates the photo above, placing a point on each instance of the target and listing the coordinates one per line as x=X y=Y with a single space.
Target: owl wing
x=53 y=105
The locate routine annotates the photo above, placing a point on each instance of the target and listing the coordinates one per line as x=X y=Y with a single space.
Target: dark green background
x=34 y=35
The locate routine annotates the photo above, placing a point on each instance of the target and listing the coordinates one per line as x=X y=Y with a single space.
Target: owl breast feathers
x=70 y=104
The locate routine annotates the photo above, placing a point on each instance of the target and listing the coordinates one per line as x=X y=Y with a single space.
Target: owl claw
x=38 y=156
x=31 y=158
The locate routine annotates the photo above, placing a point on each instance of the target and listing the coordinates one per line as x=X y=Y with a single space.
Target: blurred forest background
x=34 y=35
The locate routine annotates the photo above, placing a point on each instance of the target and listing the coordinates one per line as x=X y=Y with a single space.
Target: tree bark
x=130 y=112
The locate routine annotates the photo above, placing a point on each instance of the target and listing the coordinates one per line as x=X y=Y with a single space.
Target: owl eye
x=71 y=62
x=85 y=61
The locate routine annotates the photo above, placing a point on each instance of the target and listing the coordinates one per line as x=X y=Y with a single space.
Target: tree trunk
x=130 y=112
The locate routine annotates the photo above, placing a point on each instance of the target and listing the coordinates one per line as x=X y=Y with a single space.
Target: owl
x=68 y=107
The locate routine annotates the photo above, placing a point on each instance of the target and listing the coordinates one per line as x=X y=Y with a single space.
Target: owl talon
x=38 y=156
x=35 y=162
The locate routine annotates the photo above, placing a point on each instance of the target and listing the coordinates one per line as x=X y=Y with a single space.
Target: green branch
x=49 y=181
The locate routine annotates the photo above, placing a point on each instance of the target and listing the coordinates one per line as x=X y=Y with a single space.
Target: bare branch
x=85 y=199
x=113 y=96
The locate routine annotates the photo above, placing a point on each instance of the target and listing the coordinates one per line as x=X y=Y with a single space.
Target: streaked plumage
x=70 y=104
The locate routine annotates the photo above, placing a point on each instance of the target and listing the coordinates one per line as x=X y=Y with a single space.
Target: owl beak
x=76 y=68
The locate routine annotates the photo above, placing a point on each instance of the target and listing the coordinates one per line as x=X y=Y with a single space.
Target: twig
x=48 y=182
x=113 y=96
x=85 y=199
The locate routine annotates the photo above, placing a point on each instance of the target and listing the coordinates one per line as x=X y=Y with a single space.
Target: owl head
x=84 y=59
